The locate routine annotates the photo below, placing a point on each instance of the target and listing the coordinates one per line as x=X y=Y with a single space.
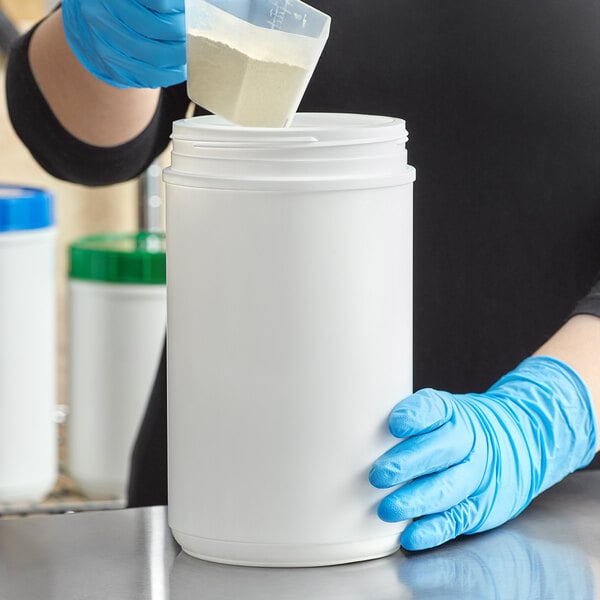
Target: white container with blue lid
x=28 y=441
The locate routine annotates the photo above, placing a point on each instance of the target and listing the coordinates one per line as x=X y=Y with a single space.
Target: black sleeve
x=590 y=303
x=63 y=155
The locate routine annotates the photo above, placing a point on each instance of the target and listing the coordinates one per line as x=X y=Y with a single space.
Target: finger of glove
x=125 y=71
x=436 y=529
x=423 y=454
x=163 y=6
x=430 y=494
x=424 y=411
x=120 y=48
x=140 y=21
x=140 y=74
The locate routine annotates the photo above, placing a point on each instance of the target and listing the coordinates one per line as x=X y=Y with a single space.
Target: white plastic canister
x=28 y=441
x=117 y=319
x=289 y=334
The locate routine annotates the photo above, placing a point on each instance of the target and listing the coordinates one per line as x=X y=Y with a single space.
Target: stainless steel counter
x=551 y=551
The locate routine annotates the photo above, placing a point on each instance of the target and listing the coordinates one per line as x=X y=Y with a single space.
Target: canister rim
x=306 y=129
x=319 y=151
x=405 y=176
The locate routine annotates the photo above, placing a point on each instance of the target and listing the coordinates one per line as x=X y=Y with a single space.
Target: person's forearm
x=577 y=343
x=89 y=109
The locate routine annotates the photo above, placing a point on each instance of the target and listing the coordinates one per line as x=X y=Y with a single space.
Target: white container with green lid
x=28 y=442
x=117 y=317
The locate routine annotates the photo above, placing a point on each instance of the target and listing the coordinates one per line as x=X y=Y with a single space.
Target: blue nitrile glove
x=474 y=461
x=128 y=43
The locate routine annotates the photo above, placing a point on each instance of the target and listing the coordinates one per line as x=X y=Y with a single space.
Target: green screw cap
x=136 y=258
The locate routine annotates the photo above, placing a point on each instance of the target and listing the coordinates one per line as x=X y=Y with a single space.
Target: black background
x=502 y=103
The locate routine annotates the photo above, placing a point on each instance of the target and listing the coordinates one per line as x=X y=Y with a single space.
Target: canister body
x=116 y=335
x=289 y=341
x=28 y=441
x=117 y=318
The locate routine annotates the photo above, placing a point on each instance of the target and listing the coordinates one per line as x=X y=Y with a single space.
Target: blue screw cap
x=25 y=208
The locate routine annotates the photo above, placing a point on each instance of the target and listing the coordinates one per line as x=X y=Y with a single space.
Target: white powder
x=246 y=90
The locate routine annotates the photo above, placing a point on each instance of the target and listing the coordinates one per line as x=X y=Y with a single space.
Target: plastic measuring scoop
x=250 y=61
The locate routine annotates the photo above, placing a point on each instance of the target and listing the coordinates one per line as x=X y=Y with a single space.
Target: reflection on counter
x=371 y=580
x=504 y=564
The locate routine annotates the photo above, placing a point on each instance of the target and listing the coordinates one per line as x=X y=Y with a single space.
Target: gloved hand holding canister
x=128 y=43
x=473 y=461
